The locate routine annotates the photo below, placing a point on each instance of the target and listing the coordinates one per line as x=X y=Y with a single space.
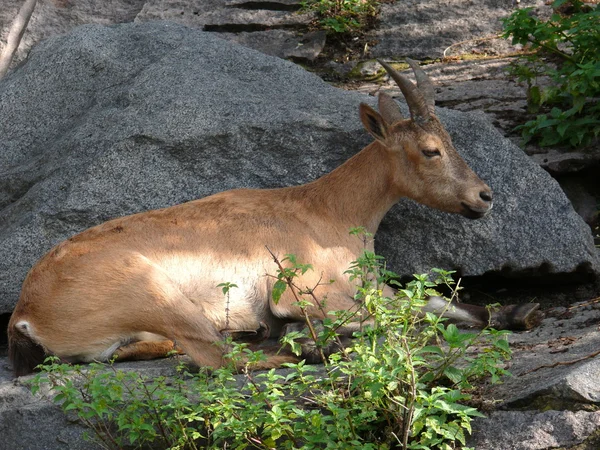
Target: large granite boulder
x=108 y=121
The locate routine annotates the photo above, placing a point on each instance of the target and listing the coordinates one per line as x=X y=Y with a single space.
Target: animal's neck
x=359 y=192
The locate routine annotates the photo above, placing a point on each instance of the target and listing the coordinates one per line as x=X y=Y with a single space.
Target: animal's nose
x=486 y=196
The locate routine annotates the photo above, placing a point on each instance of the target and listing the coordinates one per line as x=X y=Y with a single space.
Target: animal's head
x=428 y=168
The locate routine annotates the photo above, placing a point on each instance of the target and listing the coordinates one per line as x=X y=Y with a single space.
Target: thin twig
x=410 y=406
x=153 y=410
x=322 y=309
x=293 y=288
x=485 y=38
x=588 y=303
x=562 y=363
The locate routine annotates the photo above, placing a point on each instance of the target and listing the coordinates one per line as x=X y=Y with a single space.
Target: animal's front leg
x=510 y=317
x=249 y=336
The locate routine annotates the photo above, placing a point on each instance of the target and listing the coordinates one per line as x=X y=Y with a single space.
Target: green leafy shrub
x=342 y=16
x=566 y=49
x=403 y=382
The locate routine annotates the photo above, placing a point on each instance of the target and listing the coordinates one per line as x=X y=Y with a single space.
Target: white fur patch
x=25 y=327
x=107 y=354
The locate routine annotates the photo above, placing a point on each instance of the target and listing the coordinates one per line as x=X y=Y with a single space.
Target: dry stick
x=320 y=306
x=15 y=34
x=485 y=38
x=153 y=409
x=562 y=363
x=574 y=361
x=291 y=285
x=588 y=303
x=409 y=409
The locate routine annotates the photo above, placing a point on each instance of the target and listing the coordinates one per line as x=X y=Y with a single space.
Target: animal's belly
x=232 y=296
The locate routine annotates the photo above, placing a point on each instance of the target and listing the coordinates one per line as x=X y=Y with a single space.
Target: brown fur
x=153 y=276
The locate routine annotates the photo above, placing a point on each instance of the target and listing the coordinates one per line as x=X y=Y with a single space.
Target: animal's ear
x=373 y=122
x=389 y=109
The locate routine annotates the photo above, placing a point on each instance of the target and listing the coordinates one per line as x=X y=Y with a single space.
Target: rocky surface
x=534 y=430
x=34 y=422
x=424 y=29
x=431 y=29
x=275 y=27
x=541 y=379
x=552 y=397
x=130 y=118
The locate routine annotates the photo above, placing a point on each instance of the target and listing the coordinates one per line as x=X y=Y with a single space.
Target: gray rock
x=35 y=422
x=282 y=43
x=436 y=28
x=39 y=425
x=567 y=161
x=232 y=19
x=554 y=366
x=59 y=16
x=532 y=430
x=583 y=191
x=108 y=121
x=278 y=5
x=550 y=400
x=273 y=27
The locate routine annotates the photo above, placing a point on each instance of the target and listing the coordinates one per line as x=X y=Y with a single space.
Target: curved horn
x=419 y=111
x=389 y=109
x=424 y=83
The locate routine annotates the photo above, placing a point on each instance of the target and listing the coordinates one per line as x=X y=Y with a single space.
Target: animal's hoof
x=517 y=317
x=249 y=336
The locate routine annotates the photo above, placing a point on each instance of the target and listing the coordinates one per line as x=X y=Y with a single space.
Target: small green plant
x=342 y=16
x=402 y=383
x=565 y=49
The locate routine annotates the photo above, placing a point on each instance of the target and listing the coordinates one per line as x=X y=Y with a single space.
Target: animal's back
x=146 y=263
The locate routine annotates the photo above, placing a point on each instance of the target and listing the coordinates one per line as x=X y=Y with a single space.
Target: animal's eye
x=430 y=153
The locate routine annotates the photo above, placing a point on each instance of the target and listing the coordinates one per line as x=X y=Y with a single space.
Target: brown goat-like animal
x=135 y=285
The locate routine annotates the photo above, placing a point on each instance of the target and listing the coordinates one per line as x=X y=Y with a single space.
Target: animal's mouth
x=472 y=212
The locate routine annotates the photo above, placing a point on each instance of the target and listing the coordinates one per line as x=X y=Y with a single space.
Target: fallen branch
x=588 y=303
x=481 y=39
x=562 y=363
x=15 y=34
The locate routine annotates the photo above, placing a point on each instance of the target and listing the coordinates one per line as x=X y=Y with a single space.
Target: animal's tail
x=23 y=352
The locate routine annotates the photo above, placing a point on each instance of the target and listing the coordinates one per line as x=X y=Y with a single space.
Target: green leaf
x=562 y=128
x=455 y=375
x=502 y=344
x=432 y=349
x=279 y=288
